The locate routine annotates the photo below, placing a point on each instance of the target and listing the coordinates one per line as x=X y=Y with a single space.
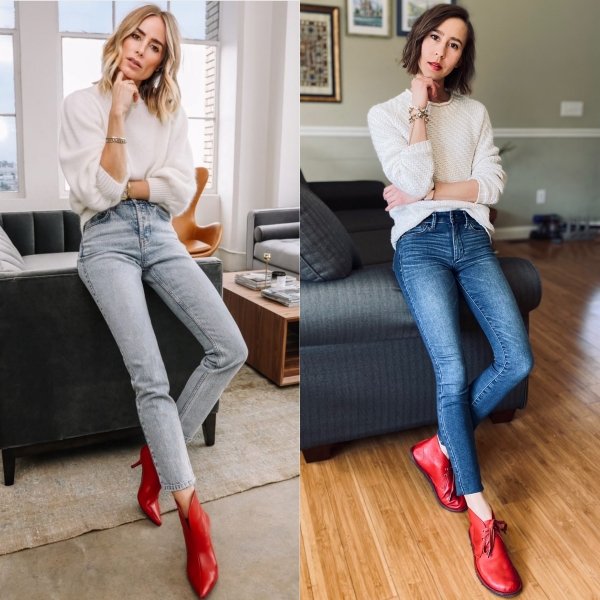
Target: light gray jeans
x=122 y=247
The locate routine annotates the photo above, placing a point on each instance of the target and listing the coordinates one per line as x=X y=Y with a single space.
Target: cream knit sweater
x=159 y=153
x=460 y=146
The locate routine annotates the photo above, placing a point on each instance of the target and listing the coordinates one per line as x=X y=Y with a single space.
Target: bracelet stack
x=116 y=140
x=415 y=113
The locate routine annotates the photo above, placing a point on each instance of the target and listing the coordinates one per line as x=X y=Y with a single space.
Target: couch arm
x=266 y=216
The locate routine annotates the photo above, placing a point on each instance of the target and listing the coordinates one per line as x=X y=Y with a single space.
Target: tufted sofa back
x=41 y=232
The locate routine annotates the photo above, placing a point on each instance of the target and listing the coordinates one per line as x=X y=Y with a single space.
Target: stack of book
x=289 y=295
x=256 y=280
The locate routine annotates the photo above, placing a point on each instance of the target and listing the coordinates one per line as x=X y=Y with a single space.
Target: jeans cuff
x=175 y=487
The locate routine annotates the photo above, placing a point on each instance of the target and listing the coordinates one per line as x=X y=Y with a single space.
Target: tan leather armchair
x=199 y=240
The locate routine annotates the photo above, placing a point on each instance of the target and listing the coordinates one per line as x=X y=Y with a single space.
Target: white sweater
x=159 y=153
x=460 y=146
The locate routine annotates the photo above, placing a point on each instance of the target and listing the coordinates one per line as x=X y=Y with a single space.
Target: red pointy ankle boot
x=149 y=486
x=492 y=563
x=436 y=467
x=202 y=568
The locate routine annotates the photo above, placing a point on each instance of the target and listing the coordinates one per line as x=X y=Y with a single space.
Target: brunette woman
x=125 y=154
x=436 y=147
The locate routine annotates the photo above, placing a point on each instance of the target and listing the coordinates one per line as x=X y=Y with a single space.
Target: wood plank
x=367 y=567
x=326 y=563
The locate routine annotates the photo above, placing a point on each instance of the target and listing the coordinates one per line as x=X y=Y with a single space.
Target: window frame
x=20 y=191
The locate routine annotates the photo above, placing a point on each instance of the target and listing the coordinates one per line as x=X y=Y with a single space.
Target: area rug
x=65 y=494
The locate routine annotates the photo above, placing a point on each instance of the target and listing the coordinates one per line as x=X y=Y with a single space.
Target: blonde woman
x=124 y=151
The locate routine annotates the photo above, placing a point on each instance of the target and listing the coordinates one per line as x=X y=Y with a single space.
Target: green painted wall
x=530 y=56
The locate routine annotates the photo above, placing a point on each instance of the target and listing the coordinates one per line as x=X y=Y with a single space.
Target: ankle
x=442 y=447
x=478 y=505
x=183 y=499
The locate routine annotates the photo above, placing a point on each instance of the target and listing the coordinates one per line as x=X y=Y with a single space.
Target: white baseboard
x=513 y=233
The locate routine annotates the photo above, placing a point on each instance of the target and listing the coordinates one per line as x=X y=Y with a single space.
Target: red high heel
x=149 y=486
x=436 y=467
x=492 y=563
x=202 y=568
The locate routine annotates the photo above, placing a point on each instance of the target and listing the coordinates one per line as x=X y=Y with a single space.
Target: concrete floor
x=255 y=535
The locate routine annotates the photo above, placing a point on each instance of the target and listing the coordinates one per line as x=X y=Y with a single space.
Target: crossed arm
x=458 y=190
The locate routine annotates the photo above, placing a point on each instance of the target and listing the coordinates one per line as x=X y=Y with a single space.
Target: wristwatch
x=125 y=195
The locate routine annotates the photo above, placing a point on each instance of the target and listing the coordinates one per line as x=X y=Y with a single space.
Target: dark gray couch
x=61 y=373
x=365 y=371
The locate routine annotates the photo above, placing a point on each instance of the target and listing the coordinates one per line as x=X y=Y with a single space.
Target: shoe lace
x=489 y=535
x=448 y=474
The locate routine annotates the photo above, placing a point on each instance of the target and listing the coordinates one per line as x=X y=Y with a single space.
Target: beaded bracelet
x=116 y=140
x=415 y=113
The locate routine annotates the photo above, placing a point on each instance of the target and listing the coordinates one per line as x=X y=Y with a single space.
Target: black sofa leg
x=208 y=429
x=318 y=453
x=503 y=416
x=8 y=462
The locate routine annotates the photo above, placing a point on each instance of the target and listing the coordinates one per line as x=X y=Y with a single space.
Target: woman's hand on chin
x=426 y=89
x=124 y=94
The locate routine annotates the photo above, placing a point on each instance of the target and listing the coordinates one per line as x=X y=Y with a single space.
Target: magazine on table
x=256 y=280
x=289 y=295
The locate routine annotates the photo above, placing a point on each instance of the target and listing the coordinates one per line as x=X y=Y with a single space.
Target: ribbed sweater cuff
x=159 y=190
x=483 y=194
x=109 y=187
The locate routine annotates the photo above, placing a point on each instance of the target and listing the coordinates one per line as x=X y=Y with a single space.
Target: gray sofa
x=277 y=231
x=365 y=371
x=62 y=378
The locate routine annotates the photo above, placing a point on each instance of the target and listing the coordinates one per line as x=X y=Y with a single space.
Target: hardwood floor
x=370 y=528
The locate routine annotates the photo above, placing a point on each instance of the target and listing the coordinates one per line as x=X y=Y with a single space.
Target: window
x=84 y=27
x=9 y=164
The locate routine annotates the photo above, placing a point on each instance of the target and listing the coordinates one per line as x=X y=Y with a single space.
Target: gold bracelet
x=415 y=113
x=116 y=140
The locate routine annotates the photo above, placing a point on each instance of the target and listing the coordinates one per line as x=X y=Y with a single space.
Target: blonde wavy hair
x=161 y=91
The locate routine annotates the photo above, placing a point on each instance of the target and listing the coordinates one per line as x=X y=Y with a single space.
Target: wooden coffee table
x=270 y=330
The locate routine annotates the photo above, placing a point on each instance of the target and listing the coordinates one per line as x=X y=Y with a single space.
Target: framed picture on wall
x=320 y=54
x=369 y=17
x=410 y=10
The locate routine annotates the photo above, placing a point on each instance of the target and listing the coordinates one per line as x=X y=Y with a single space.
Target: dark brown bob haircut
x=460 y=79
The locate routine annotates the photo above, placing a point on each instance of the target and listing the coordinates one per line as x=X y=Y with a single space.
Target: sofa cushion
x=326 y=249
x=39 y=232
x=350 y=195
x=279 y=231
x=284 y=253
x=52 y=261
x=10 y=257
x=367 y=306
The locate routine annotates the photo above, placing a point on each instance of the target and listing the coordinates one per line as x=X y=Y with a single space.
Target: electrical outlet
x=540 y=197
x=571 y=108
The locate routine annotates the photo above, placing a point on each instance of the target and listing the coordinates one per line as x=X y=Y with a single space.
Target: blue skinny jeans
x=448 y=253
x=120 y=248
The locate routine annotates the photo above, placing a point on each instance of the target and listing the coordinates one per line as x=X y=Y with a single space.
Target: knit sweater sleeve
x=173 y=184
x=408 y=167
x=487 y=170
x=82 y=139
